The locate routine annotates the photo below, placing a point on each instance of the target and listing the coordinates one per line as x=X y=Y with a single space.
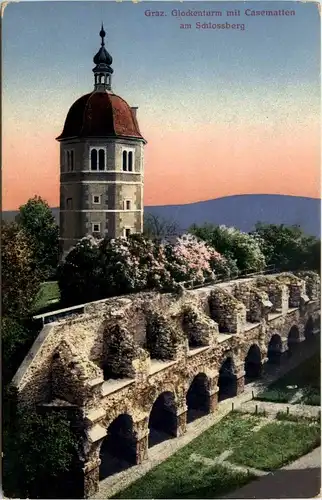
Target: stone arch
x=227 y=380
x=163 y=418
x=253 y=363
x=198 y=397
x=274 y=350
x=309 y=329
x=293 y=339
x=118 y=449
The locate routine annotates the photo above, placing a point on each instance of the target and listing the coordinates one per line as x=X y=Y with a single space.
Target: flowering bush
x=191 y=259
x=241 y=249
x=95 y=269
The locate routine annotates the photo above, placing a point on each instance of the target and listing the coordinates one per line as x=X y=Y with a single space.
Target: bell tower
x=101 y=163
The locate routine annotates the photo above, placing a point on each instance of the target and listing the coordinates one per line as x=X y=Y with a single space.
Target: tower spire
x=102 y=71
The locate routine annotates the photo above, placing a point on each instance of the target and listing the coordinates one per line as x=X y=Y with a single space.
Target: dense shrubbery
x=288 y=248
x=242 y=249
x=95 y=269
x=38 y=452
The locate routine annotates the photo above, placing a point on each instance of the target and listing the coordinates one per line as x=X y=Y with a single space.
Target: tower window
x=98 y=159
x=96 y=199
x=69 y=203
x=96 y=227
x=130 y=161
x=127 y=205
x=69 y=160
x=101 y=159
x=94 y=159
x=126 y=232
x=127 y=160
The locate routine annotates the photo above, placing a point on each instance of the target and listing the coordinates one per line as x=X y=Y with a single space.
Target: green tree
x=288 y=248
x=38 y=222
x=39 y=450
x=20 y=282
x=240 y=249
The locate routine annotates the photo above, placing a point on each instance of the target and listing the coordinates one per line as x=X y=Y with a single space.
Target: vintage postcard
x=160 y=244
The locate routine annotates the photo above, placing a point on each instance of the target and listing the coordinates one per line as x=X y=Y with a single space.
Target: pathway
x=160 y=452
x=271 y=409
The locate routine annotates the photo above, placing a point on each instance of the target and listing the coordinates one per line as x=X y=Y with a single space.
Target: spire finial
x=102 y=71
x=102 y=35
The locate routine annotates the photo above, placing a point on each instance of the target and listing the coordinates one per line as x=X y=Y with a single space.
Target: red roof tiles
x=100 y=114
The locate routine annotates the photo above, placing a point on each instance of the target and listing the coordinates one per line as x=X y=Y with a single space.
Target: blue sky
x=245 y=101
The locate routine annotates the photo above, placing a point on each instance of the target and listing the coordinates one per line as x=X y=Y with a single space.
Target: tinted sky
x=224 y=111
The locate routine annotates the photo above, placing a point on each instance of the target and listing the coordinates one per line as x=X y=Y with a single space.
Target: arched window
x=130 y=161
x=101 y=159
x=94 y=159
x=68 y=160
x=125 y=161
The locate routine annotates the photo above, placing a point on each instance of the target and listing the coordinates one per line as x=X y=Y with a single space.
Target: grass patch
x=178 y=478
x=276 y=445
x=305 y=377
x=282 y=415
x=48 y=297
x=311 y=396
x=271 y=447
x=224 y=435
x=275 y=395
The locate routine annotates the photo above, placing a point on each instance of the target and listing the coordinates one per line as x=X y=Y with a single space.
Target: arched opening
x=94 y=159
x=101 y=159
x=253 y=365
x=227 y=380
x=274 y=350
x=124 y=161
x=118 y=450
x=309 y=329
x=130 y=161
x=163 y=419
x=198 y=398
x=293 y=339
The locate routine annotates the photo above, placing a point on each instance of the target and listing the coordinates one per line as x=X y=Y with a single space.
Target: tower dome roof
x=100 y=114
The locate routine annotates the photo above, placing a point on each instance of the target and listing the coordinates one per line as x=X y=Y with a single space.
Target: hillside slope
x=241 y=211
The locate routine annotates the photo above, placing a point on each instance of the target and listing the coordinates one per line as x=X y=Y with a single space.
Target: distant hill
x=242 y=211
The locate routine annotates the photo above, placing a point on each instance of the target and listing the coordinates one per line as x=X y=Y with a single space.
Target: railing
x=191 y=285
x=52 y=316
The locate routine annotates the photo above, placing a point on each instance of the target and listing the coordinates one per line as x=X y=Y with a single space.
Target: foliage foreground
x=271 y=447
